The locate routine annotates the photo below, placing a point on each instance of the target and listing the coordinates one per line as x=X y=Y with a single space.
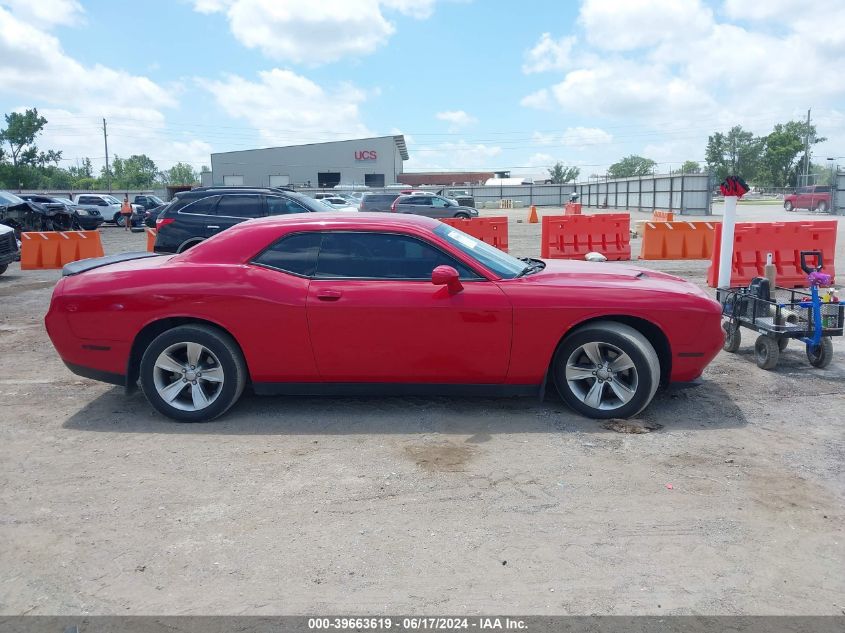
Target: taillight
x=162 y=222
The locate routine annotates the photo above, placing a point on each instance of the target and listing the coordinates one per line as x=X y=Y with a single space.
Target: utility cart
x=780 y=314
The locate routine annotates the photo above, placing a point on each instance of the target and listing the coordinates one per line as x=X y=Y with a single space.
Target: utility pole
x=807 y=152
x=106 y=143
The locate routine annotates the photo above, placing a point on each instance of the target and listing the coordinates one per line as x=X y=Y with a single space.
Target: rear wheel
x=733 y=338
x=821 y=207
x=766 y=352
x=821 y=355
x=462 y=216
x=606 y=370
x=117 y=218
x=193 y=373
x=788 y=206
x=3 y=268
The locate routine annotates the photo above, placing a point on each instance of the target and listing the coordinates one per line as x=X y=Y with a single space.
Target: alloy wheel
x=601 y=375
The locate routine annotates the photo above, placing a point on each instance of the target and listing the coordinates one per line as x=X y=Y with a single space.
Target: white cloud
x=46 y=13
x=549 y=54
x=458 y=155
x=539 y=100
x=287 y=108
x=581 y=136
x=544 y=138
x=313 y=32
x=458 y=119
x=621 y=25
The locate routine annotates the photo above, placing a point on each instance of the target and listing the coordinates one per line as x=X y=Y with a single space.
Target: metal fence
x=688 y=194
x=838 y=194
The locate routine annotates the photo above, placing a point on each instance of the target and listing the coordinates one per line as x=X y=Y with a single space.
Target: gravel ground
x=421 y=505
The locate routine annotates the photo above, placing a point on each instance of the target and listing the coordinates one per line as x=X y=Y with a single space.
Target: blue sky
x=482 y=84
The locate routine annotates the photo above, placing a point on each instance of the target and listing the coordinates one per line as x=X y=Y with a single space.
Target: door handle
x=211 y=226
x=328 y=295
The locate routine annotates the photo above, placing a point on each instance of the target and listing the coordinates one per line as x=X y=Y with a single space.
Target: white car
x=337 y=203
x=105 y=205
x=9 y=247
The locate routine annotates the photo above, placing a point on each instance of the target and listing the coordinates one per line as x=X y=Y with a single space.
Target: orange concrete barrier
x=573 y=236
x=662 y=216
x=54 y=249
x=493 y=231
x=572 y=208
x=784 y=240
x=532 y=217
x=151 y=239
x=677 y=240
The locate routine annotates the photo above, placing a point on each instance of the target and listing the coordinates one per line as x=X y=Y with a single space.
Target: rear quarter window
x=295 y=254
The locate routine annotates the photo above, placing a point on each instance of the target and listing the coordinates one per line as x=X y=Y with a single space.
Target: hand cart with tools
x=781 y=314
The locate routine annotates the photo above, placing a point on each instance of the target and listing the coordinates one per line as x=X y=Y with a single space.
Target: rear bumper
x=97 y=374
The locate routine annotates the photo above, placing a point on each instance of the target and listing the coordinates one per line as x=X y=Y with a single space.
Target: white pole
x=727 y=246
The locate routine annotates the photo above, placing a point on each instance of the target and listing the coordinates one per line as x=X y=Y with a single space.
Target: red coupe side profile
x=376 y=303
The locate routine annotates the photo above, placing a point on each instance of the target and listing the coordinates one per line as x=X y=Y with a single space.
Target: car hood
x=607 y=275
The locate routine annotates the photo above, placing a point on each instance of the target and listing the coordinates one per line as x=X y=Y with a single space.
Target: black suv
x=195 y=215
x=377 y=201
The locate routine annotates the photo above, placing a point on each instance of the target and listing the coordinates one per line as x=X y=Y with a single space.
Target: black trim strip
x=392 y=389
x=96 y=374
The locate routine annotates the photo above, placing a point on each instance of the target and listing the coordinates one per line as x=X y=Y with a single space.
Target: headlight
x=82 y=211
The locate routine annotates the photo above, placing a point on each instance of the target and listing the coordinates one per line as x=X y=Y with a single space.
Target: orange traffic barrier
x=532 y=217
x=151 y=239
x=493 y=231
x=573 y=236
x=572 y=208
x=54 y=249
x=784 y=240
x=677 y=240
x=662 y=216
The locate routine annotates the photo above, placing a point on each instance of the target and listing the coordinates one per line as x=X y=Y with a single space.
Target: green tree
x=737 y=153
x=20 y=133
x=181 y=174
x=560 y=174
x=136 y=172
x=632 y=165
x=784 y=154
x=690 y=167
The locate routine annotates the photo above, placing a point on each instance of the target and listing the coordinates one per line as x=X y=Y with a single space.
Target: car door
x=421 y=205
x=233 y=209
x=803 y=198
x=440 y=208
x=375 y=316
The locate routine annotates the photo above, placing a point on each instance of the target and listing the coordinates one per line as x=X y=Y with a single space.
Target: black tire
x=766 y=352
x=733 y=337
x=3 y=268
x=644 y=380
x=188 y=245
x=116 y=218
x=231 y=363
x=822 y=355
x=462 y=216
x=782 y=343
x=821 y=207
x=788 y=206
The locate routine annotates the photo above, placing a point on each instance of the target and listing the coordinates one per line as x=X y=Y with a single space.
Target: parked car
x=85 y=219
x=432 y=207
x=193 y=216
x=151 y=215
x=461 y=196
x=338 y=203
x=108 y=207
x=23 y=215
x=379 y=303
x=813 y=198
x=147 y=202
x=9 y=250
x=377 y=201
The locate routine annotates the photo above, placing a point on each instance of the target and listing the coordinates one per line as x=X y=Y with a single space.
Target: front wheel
x=606 y=370
x=821 y=207
x=193 y=373
x=3 y=268
x=462 y=216
x=733 y=337
x=766 y=352
x=821 y=355
x=787 y=206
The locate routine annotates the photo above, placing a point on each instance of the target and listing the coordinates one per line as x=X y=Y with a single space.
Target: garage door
x=233 y=181
x=279 y=181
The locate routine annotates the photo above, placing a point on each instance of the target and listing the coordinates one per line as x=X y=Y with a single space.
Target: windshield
x=111 y=200
x=62 y=200
x=499 y=262
x=155 y=199
x=9 y=198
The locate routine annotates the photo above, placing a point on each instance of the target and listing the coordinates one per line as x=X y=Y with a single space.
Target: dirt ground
x=419 y=505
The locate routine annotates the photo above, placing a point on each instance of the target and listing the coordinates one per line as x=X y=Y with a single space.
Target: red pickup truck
x=814 y=198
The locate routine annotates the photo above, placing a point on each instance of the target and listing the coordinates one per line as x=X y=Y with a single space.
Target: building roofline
x=398 y=139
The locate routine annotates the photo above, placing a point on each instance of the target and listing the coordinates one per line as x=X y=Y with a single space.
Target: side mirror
x=447 y=276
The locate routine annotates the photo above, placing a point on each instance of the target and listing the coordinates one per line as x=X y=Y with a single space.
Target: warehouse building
x=374 y=162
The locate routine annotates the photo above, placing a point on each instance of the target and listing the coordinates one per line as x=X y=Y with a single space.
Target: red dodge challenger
x=376 y=303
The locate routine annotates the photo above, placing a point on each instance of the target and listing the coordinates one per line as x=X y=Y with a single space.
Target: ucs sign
x=366 y=154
